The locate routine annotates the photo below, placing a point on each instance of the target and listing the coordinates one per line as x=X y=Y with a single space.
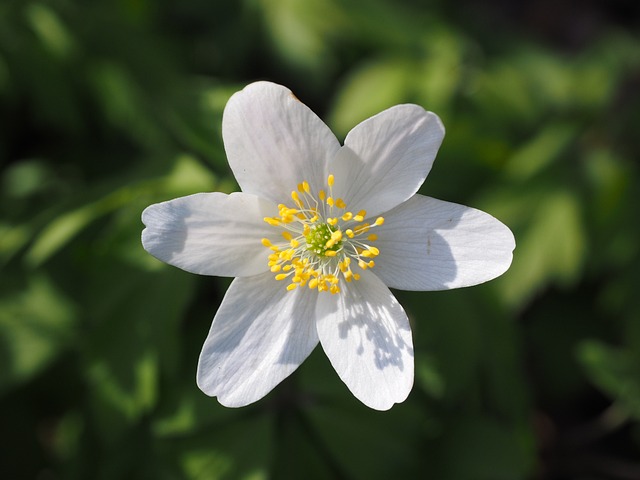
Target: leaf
x=125 y=103
x=53 y=34
x=616 y=371
x=370 y=89
x=440 y=72
x=240 y=447
x=540 y=152
x=133 y=340
x=301 y=30
x=12 y=239
x=187 y=176
x=36 y=325
x=550 y=240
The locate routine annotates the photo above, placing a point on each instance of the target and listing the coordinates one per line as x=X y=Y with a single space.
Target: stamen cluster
x=321 y=240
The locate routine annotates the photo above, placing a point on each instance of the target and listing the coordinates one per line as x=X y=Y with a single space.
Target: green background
x=109 y=106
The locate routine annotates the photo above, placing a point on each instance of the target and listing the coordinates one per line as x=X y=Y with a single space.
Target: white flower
x=317 y=236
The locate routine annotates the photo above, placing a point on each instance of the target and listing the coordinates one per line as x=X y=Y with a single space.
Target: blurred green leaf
x=551 y=241
x=302 y=31
x=125 y=103
x=370 y=89
x=53 y=34
x=614 y=370
x=545 y=148
x=610 y=177
x=187 y=176
x=136 y=327
x=241 y=449
x=439 y=75
x=36 y=324
x=12 y=239
x=502 y=92
x=450 y=335
x=26 y=178
x=64 y=228
x=197 y=121
x=428 y=376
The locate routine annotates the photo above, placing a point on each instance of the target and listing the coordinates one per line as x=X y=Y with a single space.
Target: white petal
x=429 y=244
x=259 y=336
x=210 y=233
x=366 y=335
x=274 y=142
x=386 y=158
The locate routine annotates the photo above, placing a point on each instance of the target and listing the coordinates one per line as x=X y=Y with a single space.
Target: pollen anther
x=318 y=248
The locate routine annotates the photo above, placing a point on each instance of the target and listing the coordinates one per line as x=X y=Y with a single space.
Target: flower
x=316 y=238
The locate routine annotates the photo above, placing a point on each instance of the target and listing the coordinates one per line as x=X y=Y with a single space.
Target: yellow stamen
x=360 y=216
x=318 y=249
x=360 y=229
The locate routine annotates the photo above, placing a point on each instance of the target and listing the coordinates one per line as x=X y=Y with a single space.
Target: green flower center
x=319 y=237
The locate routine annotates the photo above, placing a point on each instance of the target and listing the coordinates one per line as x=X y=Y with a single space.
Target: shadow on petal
x=165 y=234
x=430 y=244
x=371 y=325
x=368 y=320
